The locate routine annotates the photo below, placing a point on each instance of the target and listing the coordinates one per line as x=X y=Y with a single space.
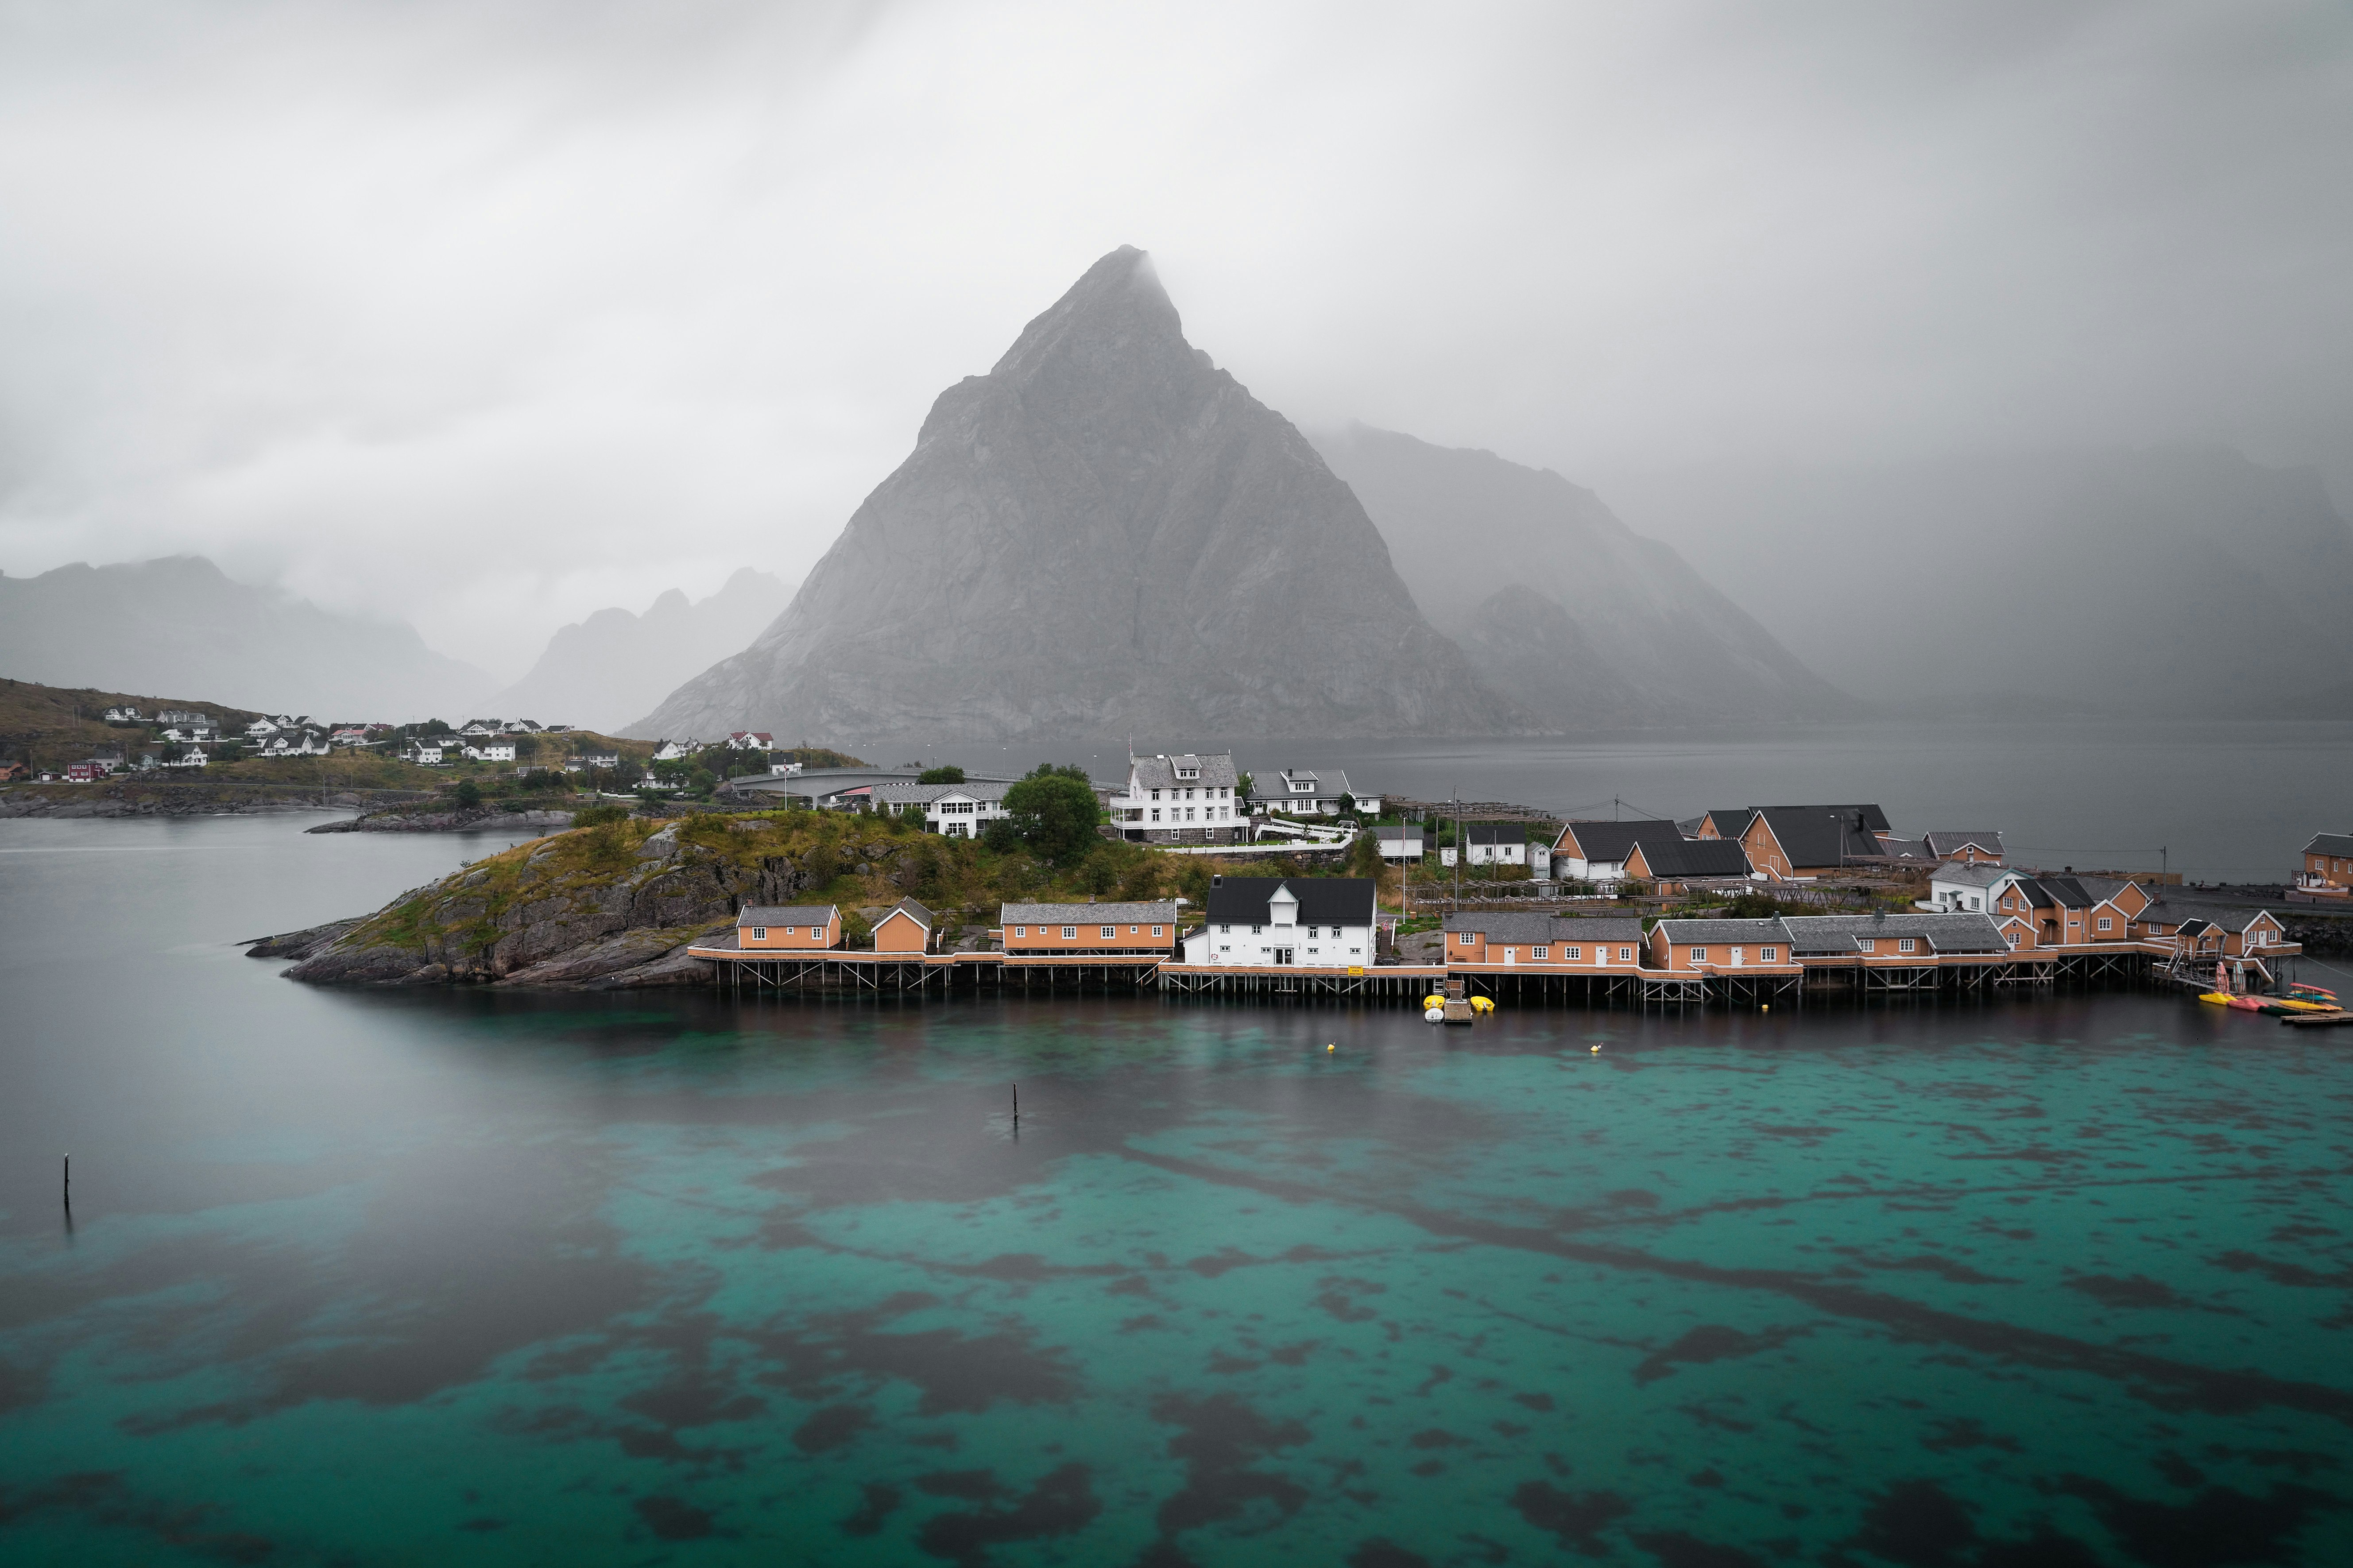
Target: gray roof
x=1407 y=831
x=1954 y=932
x=1945 y=843
x=786 y=915
x=921 y=916
x=924 y=794
x=2330 y=844
x=1724 y=931
x=1518 y=927
x=1693 y=856
x=1609 y=841
x=2230 y=917
x=1958 y=874
x=1160 y=772
x=1160 y=912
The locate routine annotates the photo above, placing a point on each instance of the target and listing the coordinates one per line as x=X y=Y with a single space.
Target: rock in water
x=1105 y=533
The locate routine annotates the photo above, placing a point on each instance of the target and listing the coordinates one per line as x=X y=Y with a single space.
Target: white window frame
x=1905 y=944
x=1070 y=933
x=1768 y=956
x=1155 y=929
x=1699 y=955
x=1540 y=953
x=1108 y=932
x=759 y=934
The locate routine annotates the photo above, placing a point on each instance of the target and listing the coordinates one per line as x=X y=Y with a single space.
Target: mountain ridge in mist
x=1104 y=533
x=2181 y=578
x=1557 y=601
x=179 y=623
x=601 y=671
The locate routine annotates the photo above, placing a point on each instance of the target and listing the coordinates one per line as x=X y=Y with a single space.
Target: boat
x=2219 y=998
x=2250 y=1004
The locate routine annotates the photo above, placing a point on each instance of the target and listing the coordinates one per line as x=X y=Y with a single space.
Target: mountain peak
x=1118 y=303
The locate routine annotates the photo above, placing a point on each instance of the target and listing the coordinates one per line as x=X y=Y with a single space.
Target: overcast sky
x=488 y=315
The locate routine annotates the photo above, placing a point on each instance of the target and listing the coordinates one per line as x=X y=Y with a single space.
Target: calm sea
x=2217 y=800
x=401 y=1278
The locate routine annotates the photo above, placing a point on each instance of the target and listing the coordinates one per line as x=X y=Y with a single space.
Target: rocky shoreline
x=614 y=907
x=463 y=819
x=140 y=799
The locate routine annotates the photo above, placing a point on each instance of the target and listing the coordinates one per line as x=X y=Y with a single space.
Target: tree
x=1242 y=786
x=950 y=774
x=1054 y=811
x=1347 y=805
x=467 y=794
x=1364 y=856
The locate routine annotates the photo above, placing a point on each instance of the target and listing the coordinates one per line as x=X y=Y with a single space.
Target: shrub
x=468 y=794
x=599 y=815
x=1053 y=810
x=822 y=864
x=948 y=774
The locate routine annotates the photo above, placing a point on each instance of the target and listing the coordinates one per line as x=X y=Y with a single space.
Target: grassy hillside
x=50 y=726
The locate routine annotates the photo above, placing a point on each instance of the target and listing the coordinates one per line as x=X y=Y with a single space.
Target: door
x=1282 y=955
x=1737 y=955
x=1511 y=955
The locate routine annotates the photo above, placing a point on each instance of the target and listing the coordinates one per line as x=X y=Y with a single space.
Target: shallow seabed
x=582 y=1281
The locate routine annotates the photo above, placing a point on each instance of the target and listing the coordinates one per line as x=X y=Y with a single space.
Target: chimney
x=1216 y=881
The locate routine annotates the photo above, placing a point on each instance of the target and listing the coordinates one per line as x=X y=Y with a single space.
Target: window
x=1156 y=795
x=1356 y=950
x=1222 y=930
x=1905 y=944
x=1257 y=930
x=2011 y=937
x=1866 y=943
x=1131 y=931
x=1973 y=901
x=1155 y=929
x=788 y=930
x=1768 y=956
x=1699 y=955
x=2106 y=923
x=1110 y=931
x=1539 y=952
x=817 y=933
x=759 y=934
x=2006 y=903
x=1463 y=939
x=1570 y=954
x=1624 y=953
x=1155 y=813
x=1070 y=933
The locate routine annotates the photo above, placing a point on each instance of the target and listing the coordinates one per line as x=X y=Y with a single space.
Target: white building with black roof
x=1188 y=798
x=1304 y=791
x=953 y=810
x=1286 y=923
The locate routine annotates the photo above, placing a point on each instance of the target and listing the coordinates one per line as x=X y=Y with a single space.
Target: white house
x=192 y=734
x=1184 y=799
x=522 y=727
x=473 y=728
x=588 y=759
x=777 y=770
x=353 y=735
x=671 y=751
x=1962 y=888
x=1297 y=792
x=122 y=716
x=492 y=750
x=751 y=741
x=183 y=716
x=1303 y=922
x=1490 y=845
x=295 y=743
x=956 y=810
x=1399 y=842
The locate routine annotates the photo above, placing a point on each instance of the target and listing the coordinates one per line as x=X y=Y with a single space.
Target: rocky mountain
x=2185 y=579
x=1557 y=601
x=600 y=673
x=1105 y=533
x=180 y=625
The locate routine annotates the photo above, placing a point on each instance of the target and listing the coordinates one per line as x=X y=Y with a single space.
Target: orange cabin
x=794 y=928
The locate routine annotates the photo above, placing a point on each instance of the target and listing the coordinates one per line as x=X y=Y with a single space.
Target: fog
x=485 y=316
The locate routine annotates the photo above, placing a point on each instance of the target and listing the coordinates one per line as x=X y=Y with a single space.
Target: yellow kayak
x=2220 y=998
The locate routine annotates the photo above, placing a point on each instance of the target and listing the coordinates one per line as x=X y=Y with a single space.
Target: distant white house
x=1490 y=845
x=783 y=770
x=296 y=744
x=751 y=741
x=588 y=759
x=182 y=716
x=122 y=716
x=520 y=727
x=492 y=750
x=1399 y=842
x=956 y=810
x=1297 y=791
x=671 y=751
x=1963 y=888
x=192 y=734
x=1181 y=799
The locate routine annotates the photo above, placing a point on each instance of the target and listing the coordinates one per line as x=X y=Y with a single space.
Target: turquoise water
x=389 y=1278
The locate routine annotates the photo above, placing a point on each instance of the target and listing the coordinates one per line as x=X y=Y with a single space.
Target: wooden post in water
x=1017 y=1105
x=69 y=1192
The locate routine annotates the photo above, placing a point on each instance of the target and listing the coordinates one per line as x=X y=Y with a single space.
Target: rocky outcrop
x=1105 y=534
x=299 y=944
x=604 y=907
x=479 y=819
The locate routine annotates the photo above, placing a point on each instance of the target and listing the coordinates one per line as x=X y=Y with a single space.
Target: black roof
x=1824 y=835
x=1491 y=833
x=1322 y=901
x=1609 y=841
x=2330 y=844
x=1680 y=857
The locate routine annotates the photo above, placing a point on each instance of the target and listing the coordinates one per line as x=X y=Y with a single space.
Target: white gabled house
x=494 y=748
x=751 y=741
x=1295 y=922
x=122 y=716
x=1297 y=791
x=955 y=811
x=1965 y=887
x=1184 y=799
x=671 y=751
